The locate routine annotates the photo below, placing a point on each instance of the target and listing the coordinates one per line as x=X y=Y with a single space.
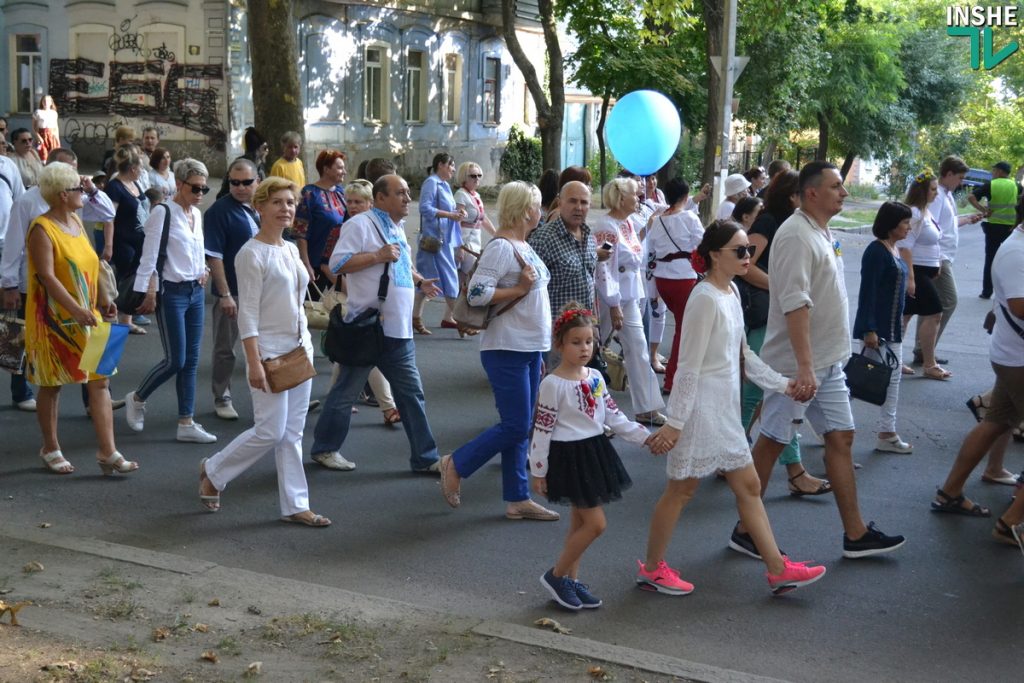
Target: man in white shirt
x=370 y=243
x=11 y=189
x=13 y=263
x=951 y=175
x=808 y=338
x=1006 y=407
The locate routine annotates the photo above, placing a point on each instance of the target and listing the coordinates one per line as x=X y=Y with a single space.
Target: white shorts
x=828 y=411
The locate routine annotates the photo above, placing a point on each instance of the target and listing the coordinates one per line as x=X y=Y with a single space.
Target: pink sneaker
x=793 y=576
x=663 y=579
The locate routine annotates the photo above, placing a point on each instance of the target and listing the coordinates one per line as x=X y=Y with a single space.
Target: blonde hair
x=615 y=190
x=360 y=188
x=462 y=175
x=271 y=185
x=515 y=200
x=124 y=134
x=57 y=177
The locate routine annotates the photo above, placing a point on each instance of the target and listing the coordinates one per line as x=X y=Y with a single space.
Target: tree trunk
x=822 y=153
x=847 y=164
x=768 y=153
x=550 y=113
x=602 y=151
x=276 y=100
x=714 y=19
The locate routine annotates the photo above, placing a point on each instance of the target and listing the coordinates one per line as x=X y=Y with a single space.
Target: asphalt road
x=945 y=607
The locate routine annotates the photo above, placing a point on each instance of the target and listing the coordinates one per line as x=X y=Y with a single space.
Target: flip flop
x=314 y=521
x=937 y=372
x=826 y=487
x=954 y=506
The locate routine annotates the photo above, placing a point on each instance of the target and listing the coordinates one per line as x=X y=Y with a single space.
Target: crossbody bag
x=291 y=369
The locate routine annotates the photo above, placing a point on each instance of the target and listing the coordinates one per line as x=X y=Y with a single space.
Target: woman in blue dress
x=440 y=239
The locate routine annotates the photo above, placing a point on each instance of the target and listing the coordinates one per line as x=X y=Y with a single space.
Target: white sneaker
x=28 y=405
x=225 y=410
x=334 y=461
x=194 y=433
x=893 y=444
x=134 y=412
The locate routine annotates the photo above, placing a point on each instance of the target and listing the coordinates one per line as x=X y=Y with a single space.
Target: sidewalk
x=104 y=612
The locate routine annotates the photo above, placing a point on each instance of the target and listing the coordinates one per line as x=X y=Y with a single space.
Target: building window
x=451 y=88
x=415 y=86
x=28 y=61
x=375 y=85
x=492 y=83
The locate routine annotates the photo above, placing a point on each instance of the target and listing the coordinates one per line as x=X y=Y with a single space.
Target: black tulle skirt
x=585 y=473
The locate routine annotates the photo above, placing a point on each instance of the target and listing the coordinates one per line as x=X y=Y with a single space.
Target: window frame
x=451 y=89
x=34 y=59
x=382 y=66
x=495 y=95
x=415 y=75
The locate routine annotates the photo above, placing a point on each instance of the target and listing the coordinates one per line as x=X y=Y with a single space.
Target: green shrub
x=522 y=158
x=611 y=168
x=862 y=191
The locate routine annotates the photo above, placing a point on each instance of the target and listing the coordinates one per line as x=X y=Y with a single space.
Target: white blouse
x=271 y=287
x=671 y=233
x=621 y=279
x=45 y=118
x=923 y=239
x=166 y=185
x=573 y=410
x=186 y=252
x=527 y=325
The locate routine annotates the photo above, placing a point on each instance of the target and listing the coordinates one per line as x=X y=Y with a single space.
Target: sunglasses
x=743 y=252
x=198 y=189
x=75 y=189
x=478 y=176
x=235 y=183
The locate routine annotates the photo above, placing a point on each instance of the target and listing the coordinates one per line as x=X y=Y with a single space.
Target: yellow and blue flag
x=103 y=348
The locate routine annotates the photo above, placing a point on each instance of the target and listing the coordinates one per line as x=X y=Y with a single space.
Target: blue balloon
x=643 y=131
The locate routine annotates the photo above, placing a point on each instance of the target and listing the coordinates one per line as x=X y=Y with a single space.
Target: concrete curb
x=317 y=597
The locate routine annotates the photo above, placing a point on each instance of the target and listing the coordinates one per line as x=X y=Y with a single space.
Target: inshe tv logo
x=977 y=22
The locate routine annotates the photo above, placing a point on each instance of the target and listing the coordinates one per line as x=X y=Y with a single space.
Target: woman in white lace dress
x=704 y=432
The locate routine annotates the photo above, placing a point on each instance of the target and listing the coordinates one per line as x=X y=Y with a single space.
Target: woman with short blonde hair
x=468 y=199
x=62 y=304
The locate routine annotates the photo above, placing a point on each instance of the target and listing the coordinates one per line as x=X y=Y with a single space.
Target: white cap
x=735 y=183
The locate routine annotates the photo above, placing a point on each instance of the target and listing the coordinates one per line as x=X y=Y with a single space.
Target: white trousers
x=280 y=420
x=644 y=388
x=887 y=411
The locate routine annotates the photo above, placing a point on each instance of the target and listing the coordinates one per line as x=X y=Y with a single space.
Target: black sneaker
x=744 y=544
x=587 y=599
x=874 y=542
x=562 y=589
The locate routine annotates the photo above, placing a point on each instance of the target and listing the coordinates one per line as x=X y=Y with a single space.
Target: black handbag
x=128 y=300
x=360 y=342
x=867 y=378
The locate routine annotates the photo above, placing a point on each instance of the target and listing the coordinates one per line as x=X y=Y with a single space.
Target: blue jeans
x=515 y=379
x=179 y=316
x=398 y=365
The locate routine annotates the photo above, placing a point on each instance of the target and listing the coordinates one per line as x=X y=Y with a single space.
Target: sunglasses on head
x=235 y=183
x=198 y=189
x=743 y=252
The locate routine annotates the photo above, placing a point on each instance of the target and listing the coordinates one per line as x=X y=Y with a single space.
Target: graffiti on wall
x=159 y=90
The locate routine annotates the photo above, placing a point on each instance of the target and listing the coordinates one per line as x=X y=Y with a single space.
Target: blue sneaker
x=141 y=320
x=587 y=599
x=562 y=589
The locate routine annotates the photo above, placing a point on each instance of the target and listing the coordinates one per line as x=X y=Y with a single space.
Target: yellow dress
x=53 y=340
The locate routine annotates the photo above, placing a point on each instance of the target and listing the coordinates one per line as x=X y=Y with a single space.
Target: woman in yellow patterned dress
x=62 y=302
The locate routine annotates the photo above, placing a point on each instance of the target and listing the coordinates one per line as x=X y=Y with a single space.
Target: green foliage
x=862 y=191
x=689 y=160
x=522 y=158
x=611 y=168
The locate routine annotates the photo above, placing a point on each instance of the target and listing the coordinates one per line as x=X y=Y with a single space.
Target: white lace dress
x=705 y=400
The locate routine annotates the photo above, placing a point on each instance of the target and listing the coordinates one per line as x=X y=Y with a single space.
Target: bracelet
x=223 y=296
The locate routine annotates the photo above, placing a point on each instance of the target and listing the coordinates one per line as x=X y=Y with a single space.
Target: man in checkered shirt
x=567 y=248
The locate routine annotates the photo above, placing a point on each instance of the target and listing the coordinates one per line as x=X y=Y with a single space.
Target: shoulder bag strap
x=1013 y=325
x=161 y=255
x=522 y=264
x=663 y=227
x=382 y=286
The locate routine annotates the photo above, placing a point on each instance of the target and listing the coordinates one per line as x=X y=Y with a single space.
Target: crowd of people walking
x=758 y=297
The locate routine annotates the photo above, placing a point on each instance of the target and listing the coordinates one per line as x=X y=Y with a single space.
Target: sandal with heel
x=56 y=463
x=976 y=404
x=115 y=463
x=211 y=503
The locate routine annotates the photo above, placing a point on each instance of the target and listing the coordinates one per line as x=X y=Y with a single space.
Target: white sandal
x=116 y=463
x=56 y=463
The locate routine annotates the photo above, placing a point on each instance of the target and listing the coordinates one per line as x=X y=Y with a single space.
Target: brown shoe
x=528 y=509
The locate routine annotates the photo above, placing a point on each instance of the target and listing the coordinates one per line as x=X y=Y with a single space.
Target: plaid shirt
x=572 y=263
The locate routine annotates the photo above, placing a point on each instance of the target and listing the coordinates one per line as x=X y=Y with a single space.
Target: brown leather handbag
x=291 y=369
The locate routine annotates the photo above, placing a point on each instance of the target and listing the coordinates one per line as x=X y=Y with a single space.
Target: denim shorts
x=828 y=411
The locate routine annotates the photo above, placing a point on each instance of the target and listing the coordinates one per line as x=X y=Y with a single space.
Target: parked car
x=976 y=177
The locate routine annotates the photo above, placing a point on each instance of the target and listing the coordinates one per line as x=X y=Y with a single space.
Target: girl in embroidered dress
x=571 y=459
x=703 y=433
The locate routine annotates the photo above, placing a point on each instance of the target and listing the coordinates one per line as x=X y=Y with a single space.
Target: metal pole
x=728 y=78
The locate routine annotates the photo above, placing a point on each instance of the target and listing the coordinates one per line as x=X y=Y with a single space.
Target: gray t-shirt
x=806 y=269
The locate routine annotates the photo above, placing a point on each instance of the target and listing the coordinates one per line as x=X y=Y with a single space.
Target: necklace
x=67 y=229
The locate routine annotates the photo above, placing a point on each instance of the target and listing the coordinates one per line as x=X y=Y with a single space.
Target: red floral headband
x=572 y=313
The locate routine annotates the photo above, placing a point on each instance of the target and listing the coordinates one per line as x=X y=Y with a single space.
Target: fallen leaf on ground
x=545 y=622
x=45 y=525
x=142 y=675
x=598 y=674
x=210 y=656
x=201 y=628
x=69 y=665
x=33 y=567
x=13 y=608
x=214 y=603
x=254 y=669
x=161 y=633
